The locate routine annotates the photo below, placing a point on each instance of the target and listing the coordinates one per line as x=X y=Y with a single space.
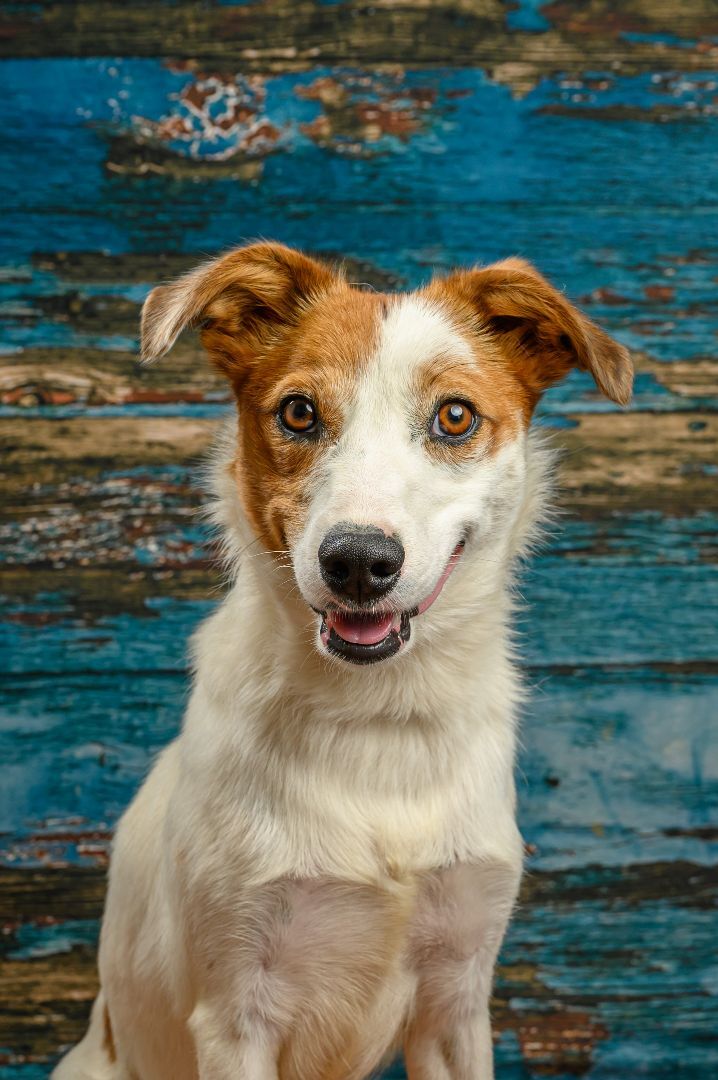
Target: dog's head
x=382 y=439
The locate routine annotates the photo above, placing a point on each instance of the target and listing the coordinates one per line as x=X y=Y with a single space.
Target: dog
x=319 y=871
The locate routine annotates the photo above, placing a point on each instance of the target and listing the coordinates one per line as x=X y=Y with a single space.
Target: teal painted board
x=137 y=139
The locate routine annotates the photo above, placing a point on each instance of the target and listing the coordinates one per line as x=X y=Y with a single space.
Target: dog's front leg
x=458 y=1051
x=450 y=1038
x=230 y=1047
x=463 y=913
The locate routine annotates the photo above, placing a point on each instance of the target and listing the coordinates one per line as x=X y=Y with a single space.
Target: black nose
x=360 y=563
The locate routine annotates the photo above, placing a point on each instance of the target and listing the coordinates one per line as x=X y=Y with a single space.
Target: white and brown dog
x=320 y=869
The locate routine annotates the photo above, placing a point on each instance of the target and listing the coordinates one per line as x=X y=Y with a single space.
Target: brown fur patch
x=243 y=295
x=539 y=334
x=276 y=323
x=320 y=356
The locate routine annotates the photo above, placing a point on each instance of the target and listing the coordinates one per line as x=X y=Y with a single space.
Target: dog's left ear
x=241 y=299
x=543 y=334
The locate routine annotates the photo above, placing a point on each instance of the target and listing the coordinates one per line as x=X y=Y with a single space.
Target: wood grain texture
x=138 y=140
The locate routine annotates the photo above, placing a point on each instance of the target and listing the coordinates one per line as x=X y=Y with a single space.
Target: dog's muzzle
x=361 y=636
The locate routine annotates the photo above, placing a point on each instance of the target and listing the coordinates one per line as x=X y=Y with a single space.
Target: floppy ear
x=240 y=298
x=544 y=335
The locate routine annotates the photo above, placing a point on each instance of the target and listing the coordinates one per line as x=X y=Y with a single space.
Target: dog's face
x=381 y=438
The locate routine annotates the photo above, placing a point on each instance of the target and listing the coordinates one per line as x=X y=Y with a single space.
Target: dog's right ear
x=542 y=334
x=240 y=299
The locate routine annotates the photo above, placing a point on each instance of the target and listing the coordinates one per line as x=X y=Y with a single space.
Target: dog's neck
x=363 y=755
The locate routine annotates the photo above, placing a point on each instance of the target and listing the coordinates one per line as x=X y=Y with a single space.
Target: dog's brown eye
x=298 y=414
x=453 y=420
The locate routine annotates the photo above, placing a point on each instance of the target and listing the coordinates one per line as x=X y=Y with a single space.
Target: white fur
x=322 y=865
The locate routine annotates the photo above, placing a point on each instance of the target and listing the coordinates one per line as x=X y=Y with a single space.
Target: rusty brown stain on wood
x=561 y=1041
x=56 y=376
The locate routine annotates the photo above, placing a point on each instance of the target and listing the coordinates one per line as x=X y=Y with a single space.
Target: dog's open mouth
x=367 y=637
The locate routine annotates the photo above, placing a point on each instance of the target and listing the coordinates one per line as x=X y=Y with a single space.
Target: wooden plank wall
x=400 y=136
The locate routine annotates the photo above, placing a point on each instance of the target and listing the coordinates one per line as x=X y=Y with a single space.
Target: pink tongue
x=360 y=629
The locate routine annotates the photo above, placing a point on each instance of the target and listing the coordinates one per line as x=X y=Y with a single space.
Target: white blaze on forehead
x=381 y=416
x=381 y=471
x=415 y=332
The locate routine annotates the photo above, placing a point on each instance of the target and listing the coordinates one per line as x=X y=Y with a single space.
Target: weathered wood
x=284 y=36
x=48 y=897
x=151 y=268
x=48 y=1004
x=607 y=772
x=94 y=591
x=637 y=461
